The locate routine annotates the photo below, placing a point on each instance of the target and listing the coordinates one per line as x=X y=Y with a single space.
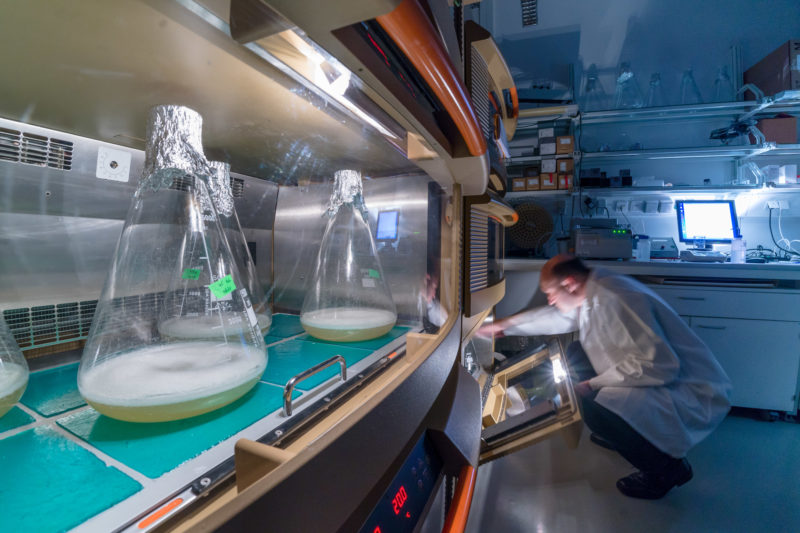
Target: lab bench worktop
x=755 y=271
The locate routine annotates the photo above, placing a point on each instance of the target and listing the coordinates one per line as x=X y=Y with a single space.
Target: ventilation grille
x=44 y=325
x=530 y=12
x=21 y=147
x=182 y=183
x=479 y=83
x=237 y=187
x=478 y=251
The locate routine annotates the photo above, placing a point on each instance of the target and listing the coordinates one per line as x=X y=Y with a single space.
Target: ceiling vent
x=530 y=12
x=30 y=149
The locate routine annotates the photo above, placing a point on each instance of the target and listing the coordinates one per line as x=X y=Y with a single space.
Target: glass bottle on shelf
x=220 y=186
x=174 y=334
x=594 y=96
x=13 y=370
x=690 y=94
x=723 y=88
x=628 y=95
x=348 y=299
x=655 y=94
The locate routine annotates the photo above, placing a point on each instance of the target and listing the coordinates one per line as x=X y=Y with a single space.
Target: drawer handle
x=692 y=298
x=711 y=327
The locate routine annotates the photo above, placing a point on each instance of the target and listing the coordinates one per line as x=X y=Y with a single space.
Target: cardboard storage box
x=548 y=181
x=531 y=171
x=564 y=181
x=565 y=166
x=565 y=144
x=547 y=146
x=779 y=71
x=548 y=165
x=532 y=183
x=781 y=130
x=547 y=132
x=518 y=184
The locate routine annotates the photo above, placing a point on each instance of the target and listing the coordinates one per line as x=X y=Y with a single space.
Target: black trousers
x=636 y=449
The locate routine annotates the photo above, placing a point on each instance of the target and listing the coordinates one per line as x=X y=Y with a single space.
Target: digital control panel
x=401 y=507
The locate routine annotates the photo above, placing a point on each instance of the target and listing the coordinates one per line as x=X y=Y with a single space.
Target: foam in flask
x=174 y=334
x=220 y=187
x=13 y=370
x=349 y=299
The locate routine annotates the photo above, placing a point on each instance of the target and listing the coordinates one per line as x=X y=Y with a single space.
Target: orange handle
x=413 y=33
x=456 y=520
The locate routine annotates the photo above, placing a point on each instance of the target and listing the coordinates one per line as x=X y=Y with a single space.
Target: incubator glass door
x=348 y=299
x=13 y=370
x=526 y=399
x=174 y=334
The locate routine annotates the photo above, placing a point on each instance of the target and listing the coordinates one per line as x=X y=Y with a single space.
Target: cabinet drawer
x=761 y=358
x=763 y=304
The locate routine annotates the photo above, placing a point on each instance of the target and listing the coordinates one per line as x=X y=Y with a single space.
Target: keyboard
x=705 y=256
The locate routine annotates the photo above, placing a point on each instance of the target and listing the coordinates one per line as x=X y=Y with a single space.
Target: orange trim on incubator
x=462 y=500
x=514 y=102
x=153 y=518
x=409 y=28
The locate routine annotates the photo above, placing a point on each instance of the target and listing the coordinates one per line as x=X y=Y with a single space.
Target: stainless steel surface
x=289 y=388
x=299 y=225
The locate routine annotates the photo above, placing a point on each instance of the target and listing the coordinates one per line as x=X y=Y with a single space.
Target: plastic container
x=13 y=370
x=349 y=299
x=642 y=248
x=738 y=251
x=174 y=334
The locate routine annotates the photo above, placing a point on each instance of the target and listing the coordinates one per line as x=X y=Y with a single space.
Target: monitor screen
x=387 y=226
x=713 y=221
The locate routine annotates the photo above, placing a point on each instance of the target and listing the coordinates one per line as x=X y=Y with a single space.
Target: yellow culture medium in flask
x=13 y=370
x=349 y=299
x=174 y=333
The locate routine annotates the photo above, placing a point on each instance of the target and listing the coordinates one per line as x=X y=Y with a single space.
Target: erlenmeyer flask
x=690 y=94
x=220 y=186
x=628 y=95
x=13 y=370
x=174 y=334
x=594 y=96
x=723 y=87
x=348 y=299
x=655 y=94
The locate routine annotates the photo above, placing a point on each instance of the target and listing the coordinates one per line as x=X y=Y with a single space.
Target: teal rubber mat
x=290 y=358
x=284 y=326
x=15 y=418
x=53 y=391
x=154 y=449
x=49 y=483
x=371 y=345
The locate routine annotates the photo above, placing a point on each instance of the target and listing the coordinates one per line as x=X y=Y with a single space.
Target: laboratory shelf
x=521 y=160
x=700 y=152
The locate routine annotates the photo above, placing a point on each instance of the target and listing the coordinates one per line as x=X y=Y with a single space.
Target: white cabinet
x=754 y=334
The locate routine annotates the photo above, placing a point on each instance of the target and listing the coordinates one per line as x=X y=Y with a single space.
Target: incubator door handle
x=703 y=326
x=456 y=520
x=692 y=298
x=289 y=388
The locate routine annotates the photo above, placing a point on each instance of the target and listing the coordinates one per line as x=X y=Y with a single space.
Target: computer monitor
x=709 y=221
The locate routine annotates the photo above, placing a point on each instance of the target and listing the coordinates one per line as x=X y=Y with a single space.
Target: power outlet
x=621 y=206
x=637 y=206
x=777 y=204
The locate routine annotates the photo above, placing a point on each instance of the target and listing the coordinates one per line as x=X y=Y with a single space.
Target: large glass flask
x=594 y=96
x=13 y=370
x=174 y=334
x=220 y=186
x=627 y=94
x=690 y=94
x=655 y=94
x=349 y=299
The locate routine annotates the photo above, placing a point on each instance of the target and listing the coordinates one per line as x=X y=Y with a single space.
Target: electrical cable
x=771 y=234
x=780 y=231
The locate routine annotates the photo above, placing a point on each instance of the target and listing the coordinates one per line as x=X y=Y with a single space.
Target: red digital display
x=399 y=499
x=377 y=529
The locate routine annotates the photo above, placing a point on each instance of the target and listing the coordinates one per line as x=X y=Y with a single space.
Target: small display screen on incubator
x=387 y=226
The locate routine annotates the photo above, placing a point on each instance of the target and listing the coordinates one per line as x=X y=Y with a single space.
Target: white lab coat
x=652 y=369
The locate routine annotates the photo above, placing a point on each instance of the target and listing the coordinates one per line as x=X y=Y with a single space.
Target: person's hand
x=583 y=388
x=495 y=328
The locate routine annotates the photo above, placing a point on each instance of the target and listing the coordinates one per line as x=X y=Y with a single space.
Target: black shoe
x=649 y=486
x=600 y=441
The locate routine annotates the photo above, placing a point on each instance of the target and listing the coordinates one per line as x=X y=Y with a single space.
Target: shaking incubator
x=348 y=299
x=175 y=334
x=13 y=370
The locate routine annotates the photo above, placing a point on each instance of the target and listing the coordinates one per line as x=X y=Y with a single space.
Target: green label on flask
x=374 y=273
x=191 y=273
x=223 y=287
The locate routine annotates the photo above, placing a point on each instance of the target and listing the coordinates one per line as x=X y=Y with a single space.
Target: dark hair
x=571 y=267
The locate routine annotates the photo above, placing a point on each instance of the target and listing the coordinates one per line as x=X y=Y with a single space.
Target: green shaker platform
x=13 y=419
x=53 y=391
x=49 y=483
